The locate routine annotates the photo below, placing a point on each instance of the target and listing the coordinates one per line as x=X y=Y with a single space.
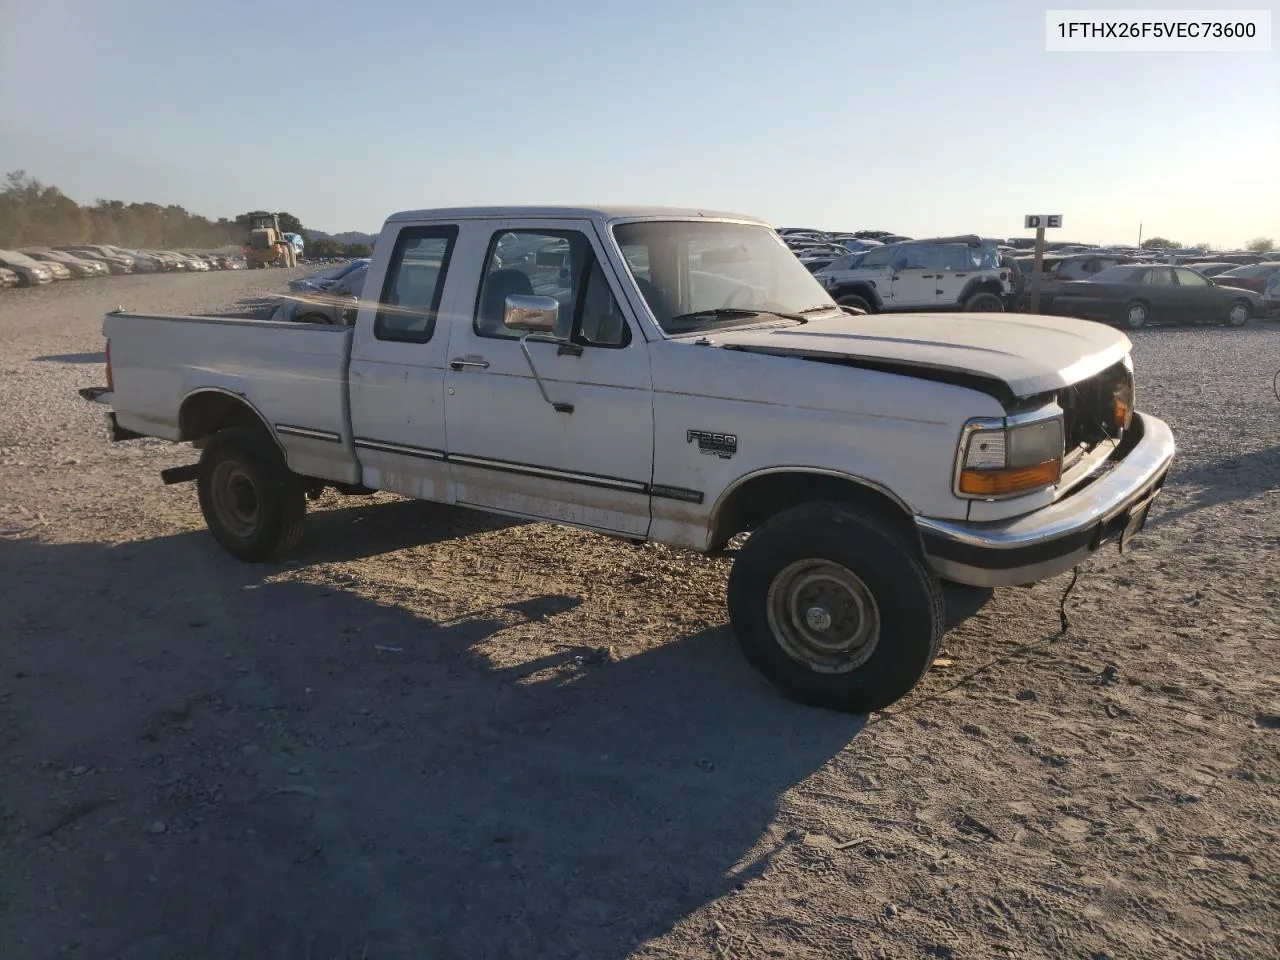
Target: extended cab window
x=415 y=280
x=550 y=263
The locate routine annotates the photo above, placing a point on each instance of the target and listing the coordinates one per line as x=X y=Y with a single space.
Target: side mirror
x=531 y=314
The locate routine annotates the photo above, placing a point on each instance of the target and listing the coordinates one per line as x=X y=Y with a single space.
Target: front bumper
x=1051 y=541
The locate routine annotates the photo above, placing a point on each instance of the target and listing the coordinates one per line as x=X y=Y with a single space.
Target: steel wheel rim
x=1238 y=315
x=235 y=499
x=823 y=616
x=1137 y=315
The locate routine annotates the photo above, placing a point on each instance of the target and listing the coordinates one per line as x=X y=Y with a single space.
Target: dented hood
x=1023 y=353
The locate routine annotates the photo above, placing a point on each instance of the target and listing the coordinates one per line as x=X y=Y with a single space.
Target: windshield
x=700 y=274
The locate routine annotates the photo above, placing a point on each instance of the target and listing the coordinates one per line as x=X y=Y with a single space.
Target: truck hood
x=1019 y=355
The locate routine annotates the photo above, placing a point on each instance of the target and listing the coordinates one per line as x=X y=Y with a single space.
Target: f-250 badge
x=722 y=445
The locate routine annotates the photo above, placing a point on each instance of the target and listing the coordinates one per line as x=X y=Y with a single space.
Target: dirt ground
x=435 y=734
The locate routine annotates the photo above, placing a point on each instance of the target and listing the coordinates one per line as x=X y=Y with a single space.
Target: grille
x=1089 y=407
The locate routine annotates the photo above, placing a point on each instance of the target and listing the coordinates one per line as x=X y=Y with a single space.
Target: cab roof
x=605 y=213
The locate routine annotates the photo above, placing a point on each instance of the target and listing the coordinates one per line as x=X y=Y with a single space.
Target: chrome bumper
x=1052 y=540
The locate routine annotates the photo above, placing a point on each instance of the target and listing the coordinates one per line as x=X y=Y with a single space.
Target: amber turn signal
x=996 y=483
x=1122 y=413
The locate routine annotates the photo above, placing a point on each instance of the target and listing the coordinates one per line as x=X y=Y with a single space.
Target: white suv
x=944 y=273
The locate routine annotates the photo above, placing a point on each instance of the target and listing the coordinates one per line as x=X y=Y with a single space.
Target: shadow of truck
x=267 y=767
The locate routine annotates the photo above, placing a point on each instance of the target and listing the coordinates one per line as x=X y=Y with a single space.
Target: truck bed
x=293 y=374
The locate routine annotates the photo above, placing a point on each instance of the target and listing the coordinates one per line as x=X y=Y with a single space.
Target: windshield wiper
x=731 y=313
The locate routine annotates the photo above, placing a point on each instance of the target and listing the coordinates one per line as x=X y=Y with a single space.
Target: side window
x=915 y=257
x=559 y=264
x=415 y=280
x=1189 y=278
x=1158 y=277
x=955 y=256
x=877 y=257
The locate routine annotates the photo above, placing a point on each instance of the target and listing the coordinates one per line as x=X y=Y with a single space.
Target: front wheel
x=853 y=300
x=1135 y=316
x=253 y=504
x=835 y=607
x=1238 y=314
x=984 y=303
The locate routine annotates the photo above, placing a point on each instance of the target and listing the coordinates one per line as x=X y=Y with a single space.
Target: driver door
x=558 y=431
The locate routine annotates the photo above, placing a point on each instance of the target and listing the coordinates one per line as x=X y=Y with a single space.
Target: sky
x=922 y=118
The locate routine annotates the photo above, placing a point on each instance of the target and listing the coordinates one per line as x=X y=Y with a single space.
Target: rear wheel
x=253 y=504
x=1135 y=315
x=1238 y=313
x=835 y=607
x=984 y=303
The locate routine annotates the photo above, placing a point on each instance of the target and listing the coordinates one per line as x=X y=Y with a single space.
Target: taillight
x=110 y=383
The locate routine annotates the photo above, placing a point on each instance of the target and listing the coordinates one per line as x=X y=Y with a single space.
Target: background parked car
x=334 y=304
x=31 y=272
x=1256 y=278
x=59 y=270
x=116 y=262
x=77 y=266
x=144 y=262
x=325 y=278
x=1138 y=294
x=1262 y=278
x=8 y=278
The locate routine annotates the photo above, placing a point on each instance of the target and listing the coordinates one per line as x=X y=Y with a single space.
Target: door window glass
x=560 y=264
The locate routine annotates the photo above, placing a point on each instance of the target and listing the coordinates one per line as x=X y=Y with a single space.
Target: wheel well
x=984 y=286
x=758 y=499
x=205 y=413
x=865 y=291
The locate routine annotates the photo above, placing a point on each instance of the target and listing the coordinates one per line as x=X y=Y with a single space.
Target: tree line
x=1256 y=245
x=35 y=214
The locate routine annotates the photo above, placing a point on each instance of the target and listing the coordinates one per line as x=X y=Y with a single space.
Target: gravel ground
x=438 y=734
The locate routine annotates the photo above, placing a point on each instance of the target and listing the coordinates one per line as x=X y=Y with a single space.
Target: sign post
x=1038 y=222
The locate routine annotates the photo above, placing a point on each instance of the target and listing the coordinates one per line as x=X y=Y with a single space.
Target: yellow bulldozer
x=267 y=245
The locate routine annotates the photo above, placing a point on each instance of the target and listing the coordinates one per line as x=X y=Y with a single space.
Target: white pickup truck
x=676 y=376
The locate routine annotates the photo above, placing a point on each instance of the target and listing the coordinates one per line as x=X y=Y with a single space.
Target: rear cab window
x=410 y=300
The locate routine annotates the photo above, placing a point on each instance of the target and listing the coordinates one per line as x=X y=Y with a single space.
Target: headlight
x=1003 y=458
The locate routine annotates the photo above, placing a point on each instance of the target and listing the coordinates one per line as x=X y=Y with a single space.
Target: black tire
x=984 y=303
x=315 y=318
x=853 y=300
x=1136 y=315
x=253 y=504
x=906 y=606
x=1238 y=313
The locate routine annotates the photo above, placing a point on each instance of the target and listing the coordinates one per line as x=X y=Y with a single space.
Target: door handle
x=457 y=363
